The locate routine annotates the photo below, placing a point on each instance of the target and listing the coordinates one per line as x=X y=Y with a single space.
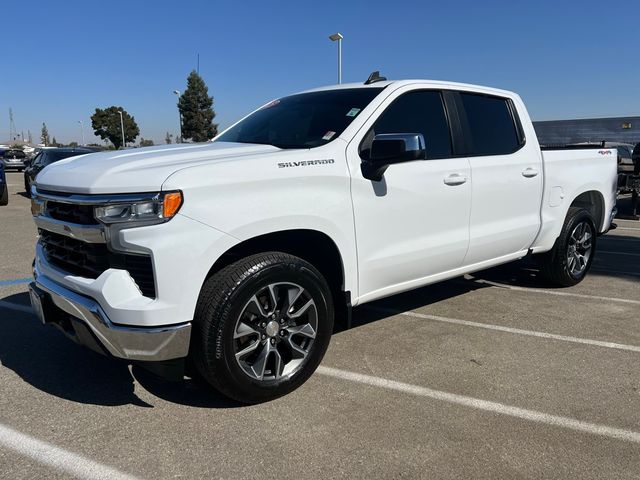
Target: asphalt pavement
x=492 y=375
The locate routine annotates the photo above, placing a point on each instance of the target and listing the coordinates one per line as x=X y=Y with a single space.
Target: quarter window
x=415 y=112
x=491 y=125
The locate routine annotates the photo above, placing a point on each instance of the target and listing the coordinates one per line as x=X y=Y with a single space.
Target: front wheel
x=262 y=326
x=572 y=254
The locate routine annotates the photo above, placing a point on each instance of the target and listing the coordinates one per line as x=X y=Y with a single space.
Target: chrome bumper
x=141 y=344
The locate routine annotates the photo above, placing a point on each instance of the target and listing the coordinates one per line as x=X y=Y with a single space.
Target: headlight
x=159 y=209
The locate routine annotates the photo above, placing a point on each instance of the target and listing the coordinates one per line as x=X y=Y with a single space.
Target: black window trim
x=465 y=129
x=450 y=114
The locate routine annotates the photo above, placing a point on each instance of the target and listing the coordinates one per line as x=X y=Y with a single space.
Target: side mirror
x=390 y=148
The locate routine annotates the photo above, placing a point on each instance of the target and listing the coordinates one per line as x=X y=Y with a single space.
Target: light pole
x=82 y=129
x=122 y=128
x=177 y=93
x=337 y=37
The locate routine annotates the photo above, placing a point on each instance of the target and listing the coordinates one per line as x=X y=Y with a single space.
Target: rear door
x=507 y=178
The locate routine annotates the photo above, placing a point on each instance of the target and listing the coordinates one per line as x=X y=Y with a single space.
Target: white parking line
x=57 y=458
x=15 y=306
x=517 y=331
x=553 y=292
x=485 y=405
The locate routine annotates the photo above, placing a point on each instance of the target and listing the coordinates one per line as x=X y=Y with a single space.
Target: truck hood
x=139 y=170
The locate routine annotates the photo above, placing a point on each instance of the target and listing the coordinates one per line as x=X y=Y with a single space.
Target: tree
x=44 y=135
x=73 y=144
x=106 y=125
x=167 y=138
x=54 y=142
x=196 y=110
x=146 y=143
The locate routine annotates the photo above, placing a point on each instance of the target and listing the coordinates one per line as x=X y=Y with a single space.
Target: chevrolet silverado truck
x=232 y=258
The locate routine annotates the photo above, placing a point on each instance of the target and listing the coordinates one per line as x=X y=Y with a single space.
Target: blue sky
x=567 y=59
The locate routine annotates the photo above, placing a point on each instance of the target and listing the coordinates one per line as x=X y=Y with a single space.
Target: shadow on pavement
x=48 y=361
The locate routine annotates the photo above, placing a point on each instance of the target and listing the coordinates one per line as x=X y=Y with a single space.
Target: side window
x=491 y=124
x=415 y=112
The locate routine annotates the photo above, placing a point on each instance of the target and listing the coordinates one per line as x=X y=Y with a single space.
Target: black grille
x=91 y=259
x=71 y=213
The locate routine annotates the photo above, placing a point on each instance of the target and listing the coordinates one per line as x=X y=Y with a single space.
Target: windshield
x=51 y=157
x=306 y=120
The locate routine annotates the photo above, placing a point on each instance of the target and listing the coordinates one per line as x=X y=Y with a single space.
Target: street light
x=82 y=129
x=177 y=93
x=337 y=37
x=122 y=128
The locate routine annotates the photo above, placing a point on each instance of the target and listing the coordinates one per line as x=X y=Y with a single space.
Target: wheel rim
x=579 y=248
x=274 y=334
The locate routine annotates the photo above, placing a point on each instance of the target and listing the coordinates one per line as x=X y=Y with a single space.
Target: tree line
x=196 y=119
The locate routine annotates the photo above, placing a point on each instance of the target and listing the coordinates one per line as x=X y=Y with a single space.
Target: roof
x=425 y=82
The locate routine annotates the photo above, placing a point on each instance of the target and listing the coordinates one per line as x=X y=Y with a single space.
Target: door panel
x=411 y=224
x=414 y=223
x=507 y=178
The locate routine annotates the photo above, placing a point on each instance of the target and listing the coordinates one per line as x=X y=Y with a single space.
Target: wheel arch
x=313 y=246
x=593 y=202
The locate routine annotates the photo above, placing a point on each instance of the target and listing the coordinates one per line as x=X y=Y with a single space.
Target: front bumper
x=85 y=321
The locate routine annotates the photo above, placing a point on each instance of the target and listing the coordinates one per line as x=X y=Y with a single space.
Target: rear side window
x=491 y=125
x=417 y=112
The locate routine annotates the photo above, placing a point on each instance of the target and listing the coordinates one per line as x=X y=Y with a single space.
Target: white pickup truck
x=237 y=254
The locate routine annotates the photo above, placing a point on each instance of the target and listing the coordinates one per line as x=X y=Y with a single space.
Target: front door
x=414 y=223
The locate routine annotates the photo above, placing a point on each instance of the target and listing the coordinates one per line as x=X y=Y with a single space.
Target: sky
x=62 y=59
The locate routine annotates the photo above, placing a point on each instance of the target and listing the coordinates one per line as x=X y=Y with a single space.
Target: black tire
x=225 y=299
x=555 y=265
x=4 y=196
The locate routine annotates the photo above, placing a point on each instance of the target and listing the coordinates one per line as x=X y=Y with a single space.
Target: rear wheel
x=570 y=259
x=262 y=326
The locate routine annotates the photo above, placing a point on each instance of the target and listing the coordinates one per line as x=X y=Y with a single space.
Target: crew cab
x=234 y=257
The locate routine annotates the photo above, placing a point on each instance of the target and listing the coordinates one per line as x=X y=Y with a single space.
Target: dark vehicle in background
x=14 y=158
x=625 y=157
x=4 y=189
x=47 y=157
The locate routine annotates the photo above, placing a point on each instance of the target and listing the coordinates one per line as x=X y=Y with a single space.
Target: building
x=617 y=129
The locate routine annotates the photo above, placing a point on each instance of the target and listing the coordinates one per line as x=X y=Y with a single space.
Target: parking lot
x=493 y=375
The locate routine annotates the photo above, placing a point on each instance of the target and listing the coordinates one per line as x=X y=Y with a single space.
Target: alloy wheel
x=275 y=332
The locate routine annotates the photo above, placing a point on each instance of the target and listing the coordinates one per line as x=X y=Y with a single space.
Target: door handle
x=529 y=172
x=455 y=179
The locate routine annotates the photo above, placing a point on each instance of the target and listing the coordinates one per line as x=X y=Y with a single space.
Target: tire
x=261 y=327
x=568 y=262
x=4 y=196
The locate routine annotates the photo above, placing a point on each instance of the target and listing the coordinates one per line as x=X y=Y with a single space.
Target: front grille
x=71 y=213
x=91 y=259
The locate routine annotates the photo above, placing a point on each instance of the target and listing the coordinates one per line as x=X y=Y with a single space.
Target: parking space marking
x=485 y=405
x=15 y=281
x=517 y=331
x=553 y=292
x=15 y=306
x=58 y=458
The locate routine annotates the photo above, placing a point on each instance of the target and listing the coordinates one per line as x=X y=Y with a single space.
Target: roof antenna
x=375 y=77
